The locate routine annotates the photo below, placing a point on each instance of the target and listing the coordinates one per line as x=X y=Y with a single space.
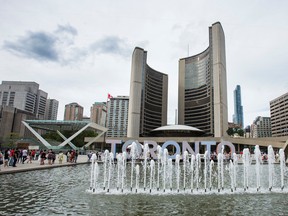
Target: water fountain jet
x=167 y=173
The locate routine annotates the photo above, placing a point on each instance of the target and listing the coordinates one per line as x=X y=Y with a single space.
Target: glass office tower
x=238 y=108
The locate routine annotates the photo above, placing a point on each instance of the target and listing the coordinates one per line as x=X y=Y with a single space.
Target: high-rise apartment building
x=98 y=112
x=24 y=96
x=202 y=95
x=279 y=116
x=73 y=112
x=238 y=108
x=23 y=101
x=117 y=120
x=148 y=97
x=261 y=127
x=51 y=109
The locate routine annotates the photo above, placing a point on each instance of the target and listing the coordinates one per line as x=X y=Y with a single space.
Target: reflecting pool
x=64 y=191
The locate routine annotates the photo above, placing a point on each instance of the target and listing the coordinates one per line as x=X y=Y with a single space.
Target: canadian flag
x=109 y=96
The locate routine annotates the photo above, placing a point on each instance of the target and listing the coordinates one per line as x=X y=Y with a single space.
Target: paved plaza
x=35 y=165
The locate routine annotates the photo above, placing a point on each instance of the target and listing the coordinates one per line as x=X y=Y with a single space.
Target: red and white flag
x=109 y=96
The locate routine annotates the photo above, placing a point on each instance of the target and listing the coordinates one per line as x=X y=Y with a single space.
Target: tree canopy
x=77 y=141
x=233 y=131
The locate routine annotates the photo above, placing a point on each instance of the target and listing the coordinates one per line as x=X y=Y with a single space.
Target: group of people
x=10 y=157
x=97 y=155
x=71 y=156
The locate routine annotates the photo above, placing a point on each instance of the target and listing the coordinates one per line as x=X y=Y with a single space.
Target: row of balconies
x=280 y=100
x=279 y=116
x=279 y=124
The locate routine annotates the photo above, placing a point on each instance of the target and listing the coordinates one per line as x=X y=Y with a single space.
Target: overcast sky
x=79 y=51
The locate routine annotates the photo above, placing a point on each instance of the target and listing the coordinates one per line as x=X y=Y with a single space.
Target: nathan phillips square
x=143 y=108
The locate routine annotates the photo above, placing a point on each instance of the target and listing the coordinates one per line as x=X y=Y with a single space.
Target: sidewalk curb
x=40 y=167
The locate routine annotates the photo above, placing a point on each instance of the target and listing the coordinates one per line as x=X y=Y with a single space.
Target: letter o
x=227 y=143
x=173 y=143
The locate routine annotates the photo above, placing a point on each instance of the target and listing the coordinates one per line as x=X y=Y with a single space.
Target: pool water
x=64 y=191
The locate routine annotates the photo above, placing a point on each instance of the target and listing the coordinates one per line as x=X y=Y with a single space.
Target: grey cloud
x=59 y=46
x=37 y=45
x=111 y=45
x=67 y=28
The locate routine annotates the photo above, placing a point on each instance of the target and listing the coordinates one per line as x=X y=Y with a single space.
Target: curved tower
x=148 y=97
x=202 y=96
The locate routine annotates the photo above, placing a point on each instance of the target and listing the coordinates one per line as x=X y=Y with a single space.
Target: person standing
x=1 y=159
x=76 y=156
x=11 y=157
x=19 y=155
x=24 y=155
x=29 y=157
x=67 y=156
x=15 y=157
x=37 y=154
x=53 y=157
x=60 y=157
x=43 y=157
x=33 y=152
x=72 y=155
x=50 y=157
x=89 y=156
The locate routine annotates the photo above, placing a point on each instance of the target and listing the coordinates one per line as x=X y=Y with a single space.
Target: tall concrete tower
x=148 y=97
x=202 y=95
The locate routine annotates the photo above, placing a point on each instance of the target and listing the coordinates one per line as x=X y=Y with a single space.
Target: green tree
x=233 y=131
x=240 y=132
x=52 y=135
x=230 y=131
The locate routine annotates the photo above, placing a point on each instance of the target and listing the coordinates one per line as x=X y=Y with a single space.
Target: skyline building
x=24 y=96
x=279 y=116
x=98 y=112
x=51 y=109
x=238 y=108
x=73 y=112
x=117 y=120
x=11 y=123
x=21 y=100
x=202 y=94
x=261 y=127
x=148 y=96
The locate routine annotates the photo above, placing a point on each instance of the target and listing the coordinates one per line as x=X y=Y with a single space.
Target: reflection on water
x=62 y=191
x=45 y=192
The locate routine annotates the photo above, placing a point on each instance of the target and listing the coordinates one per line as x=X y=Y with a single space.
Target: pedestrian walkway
x=35 y=165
